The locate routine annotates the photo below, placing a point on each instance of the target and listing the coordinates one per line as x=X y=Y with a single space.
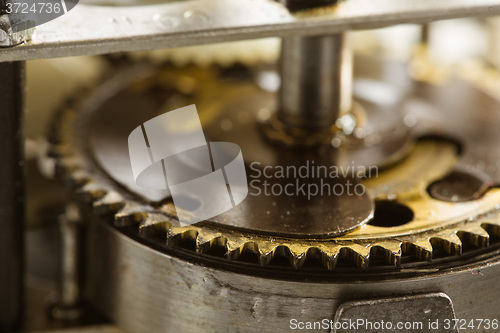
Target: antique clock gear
x=432 y=216
x=418 y=246
x=442 y=224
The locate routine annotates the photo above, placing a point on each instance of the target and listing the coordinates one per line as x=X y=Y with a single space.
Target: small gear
x=436 y=224
x=247 y=53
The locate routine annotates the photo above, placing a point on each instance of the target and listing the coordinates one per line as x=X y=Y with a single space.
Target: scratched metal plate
x=91 y=29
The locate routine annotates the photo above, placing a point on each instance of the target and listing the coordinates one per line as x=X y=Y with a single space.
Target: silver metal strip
x=87 y=30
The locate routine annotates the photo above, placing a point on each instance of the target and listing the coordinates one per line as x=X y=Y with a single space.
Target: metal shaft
x=68 y=306
x=11 y=194
x=316 y=75
x=70 y=287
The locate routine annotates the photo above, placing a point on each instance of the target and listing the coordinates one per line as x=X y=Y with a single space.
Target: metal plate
x=98 y=29
x=111 y=119
x=417 y=312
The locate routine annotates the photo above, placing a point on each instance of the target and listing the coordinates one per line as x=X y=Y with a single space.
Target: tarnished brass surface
x=436 y=224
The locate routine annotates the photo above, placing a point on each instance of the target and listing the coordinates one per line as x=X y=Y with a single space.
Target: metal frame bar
x=11 y=195
x=88 y=30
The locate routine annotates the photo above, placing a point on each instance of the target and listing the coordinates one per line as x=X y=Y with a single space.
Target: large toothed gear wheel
x=415 y=212
x=433 y=237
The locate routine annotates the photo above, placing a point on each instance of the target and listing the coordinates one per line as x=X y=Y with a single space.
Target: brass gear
x=437 y=224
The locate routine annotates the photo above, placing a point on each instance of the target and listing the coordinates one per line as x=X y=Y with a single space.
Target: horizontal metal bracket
x=88 y=30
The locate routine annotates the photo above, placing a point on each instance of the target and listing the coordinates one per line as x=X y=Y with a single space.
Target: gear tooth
x=448 y=241
x=131 y=213
x=176 y=235
x=329 y=256
x=283 y=250
x=251 y=246
x=266 y=252
x=298 y=254
x=71 y=161
x=60 y=150
x=473 y=233
x=154 y=225
x=111 y=202
x=90 y=192
x=391 y=251
x=78 y=179
x=492 y=229
x=491 y=223
x=48 y=166
x=65 y=166
x=359 y=254
x=207 y=239
x=124 y=219
x=235 y=247
x=421 y=247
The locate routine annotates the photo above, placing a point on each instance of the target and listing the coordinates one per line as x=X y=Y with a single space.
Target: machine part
x=313 y=106
x=158 y=292
x=313 y=80
x=183 y=23
x=436 y=224
x=417 y=312
x=5 y=28
x=158 y=274
x=11 y=194
x=459 y=186
x=13 y=33
x=109 y=198
x=68 y=307
x=351 y=210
